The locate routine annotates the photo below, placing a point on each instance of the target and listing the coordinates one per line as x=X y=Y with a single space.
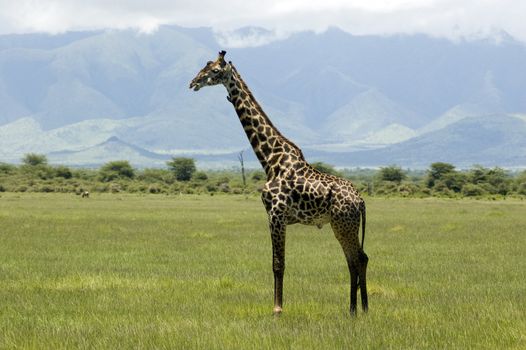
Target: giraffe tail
x=362 y=211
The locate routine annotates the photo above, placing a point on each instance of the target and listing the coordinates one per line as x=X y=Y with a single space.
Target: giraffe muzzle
x=195 y=86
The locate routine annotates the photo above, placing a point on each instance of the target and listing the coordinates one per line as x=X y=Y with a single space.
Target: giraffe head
x=215 y=72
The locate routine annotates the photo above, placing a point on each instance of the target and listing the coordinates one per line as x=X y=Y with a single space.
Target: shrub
x=100 y=187
x=407 y=189
x=522 y=188
x=503 y=188
x=211 y=188
x=521 y=177
x=426 y=191
x=258 y=175
x=142 y=188
x=362 y=187
x=224 y=187
x=177 y=187
x=63 y=171
x=494 y=181
x=454 y=181
x=85 y=174
x=477 y=174
x=473 y=190
x=200 y=176
x=500 y=180
x=442 y=190
x=237 y=191
x=223 y=180
x=156 y=176
x=154 y=188
x=386 y=187
x=115 y=187
x=40 y=171
x=21 y=189
x=7 y=168
x=46 y=188
x=194 y=184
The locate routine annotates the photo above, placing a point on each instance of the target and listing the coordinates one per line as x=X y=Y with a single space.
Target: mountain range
x=84 y=98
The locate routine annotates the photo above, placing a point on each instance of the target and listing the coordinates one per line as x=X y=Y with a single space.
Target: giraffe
x=295 y=192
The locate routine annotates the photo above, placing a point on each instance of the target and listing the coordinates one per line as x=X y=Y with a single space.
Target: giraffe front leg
x=277 y=233
x=278 y=291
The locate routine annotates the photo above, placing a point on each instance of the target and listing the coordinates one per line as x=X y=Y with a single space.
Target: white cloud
x=445 y=18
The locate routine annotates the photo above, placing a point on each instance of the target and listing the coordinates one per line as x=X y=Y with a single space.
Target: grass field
x=123 y=271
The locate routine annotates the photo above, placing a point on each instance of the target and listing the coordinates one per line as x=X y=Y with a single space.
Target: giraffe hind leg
x=362 y=277
x=353 y=271
x=346 y=231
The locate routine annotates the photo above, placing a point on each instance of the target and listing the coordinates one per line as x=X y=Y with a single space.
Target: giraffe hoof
x=277 y=310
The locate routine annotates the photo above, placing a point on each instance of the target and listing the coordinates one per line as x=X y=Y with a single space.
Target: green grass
x=124 y=271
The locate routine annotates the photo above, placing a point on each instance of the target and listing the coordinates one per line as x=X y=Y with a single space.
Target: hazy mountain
x=492 y=140
x=330 y=91
x=111 y=149
x=367 y=114
x=25 y=135
x=425 y=75
x=453 y=115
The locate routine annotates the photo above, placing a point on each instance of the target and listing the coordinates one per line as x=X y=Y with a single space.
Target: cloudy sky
x=446 y=18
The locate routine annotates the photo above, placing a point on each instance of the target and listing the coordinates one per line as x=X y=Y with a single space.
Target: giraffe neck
x=273 y=150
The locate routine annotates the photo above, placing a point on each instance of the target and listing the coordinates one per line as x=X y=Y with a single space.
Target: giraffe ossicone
x=295 y=192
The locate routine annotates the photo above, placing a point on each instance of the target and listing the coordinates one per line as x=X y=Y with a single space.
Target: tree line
x=181 y=175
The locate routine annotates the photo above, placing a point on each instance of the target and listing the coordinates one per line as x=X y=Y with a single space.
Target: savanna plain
x=195 y=272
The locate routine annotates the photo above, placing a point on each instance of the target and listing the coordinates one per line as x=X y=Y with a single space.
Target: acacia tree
x=34 y=159
x=36 y=165
x=442 y=176
x=437 y=171
x=115 y=170
x=182 y=167
x=392 y=173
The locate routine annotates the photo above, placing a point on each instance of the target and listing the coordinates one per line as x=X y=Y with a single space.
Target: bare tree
x=240 y=157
